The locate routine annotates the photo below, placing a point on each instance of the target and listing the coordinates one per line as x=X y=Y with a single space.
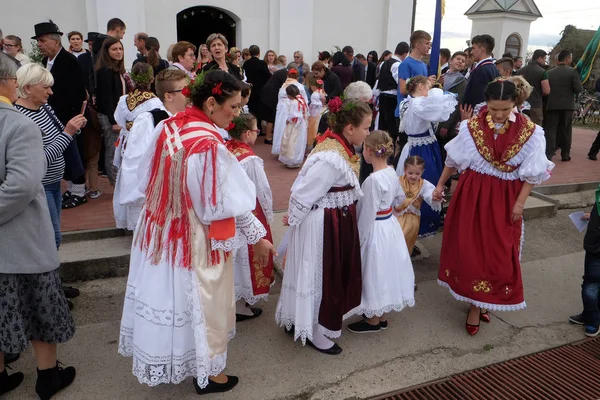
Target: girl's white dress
x=387 y=273
x=135 y=139
x=295 y=133
x=283 y=109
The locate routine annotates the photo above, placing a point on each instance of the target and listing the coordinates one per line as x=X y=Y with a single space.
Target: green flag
x=586 y=62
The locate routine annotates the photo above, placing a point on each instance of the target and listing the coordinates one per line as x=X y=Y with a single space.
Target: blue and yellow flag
x=434 y=60
x=586 y=62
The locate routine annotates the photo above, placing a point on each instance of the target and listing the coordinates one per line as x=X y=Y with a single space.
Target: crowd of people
x=384 y=140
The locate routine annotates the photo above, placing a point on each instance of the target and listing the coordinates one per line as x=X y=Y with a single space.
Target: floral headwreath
x=198 y=81
x=143 y=78
x=320 y=82
x=336 y=105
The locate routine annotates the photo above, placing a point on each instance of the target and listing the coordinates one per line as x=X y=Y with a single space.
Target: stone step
x=85 y=260
x=536 y=206
x=93 y=234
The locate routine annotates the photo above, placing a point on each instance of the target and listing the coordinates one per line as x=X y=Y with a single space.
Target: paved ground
x=98 y=213
x=423 y=343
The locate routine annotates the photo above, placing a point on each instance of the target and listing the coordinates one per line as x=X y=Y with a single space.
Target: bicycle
x=588 y=108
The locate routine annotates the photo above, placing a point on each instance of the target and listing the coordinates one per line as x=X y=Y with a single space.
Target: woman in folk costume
x=137 y=124
x=179 y=310
x=415 y=191
x=315 y=109
x=322 y=280
x=283 y=108
x=293 y=141
x=252 y=282
x=423 y=107
x=501 y=156
x=387 y=273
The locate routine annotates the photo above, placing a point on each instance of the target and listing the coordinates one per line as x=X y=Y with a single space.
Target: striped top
x=55 y=141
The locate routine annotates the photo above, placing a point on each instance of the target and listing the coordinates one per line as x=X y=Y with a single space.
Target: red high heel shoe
x=471 y=329
x=485 y=317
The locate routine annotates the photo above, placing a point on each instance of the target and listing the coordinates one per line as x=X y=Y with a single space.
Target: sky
x=545 y=32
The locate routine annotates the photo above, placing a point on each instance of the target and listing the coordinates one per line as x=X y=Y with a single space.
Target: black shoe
x=66 y=195
x=565 y=159
x=214 y=387
x=332 y=351
x=416 y=252
x=11 y=357
x=592 y=157
x=53 y=380
x=73 y=201
x=363 y=327
x=577 y=319
x=289 y=331
x=71 y=305
x=383 y=325
x=10 y=382
x=70 y=292
x=268 y=141
x=256 y=312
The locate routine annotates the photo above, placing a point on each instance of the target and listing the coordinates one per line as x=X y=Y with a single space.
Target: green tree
x=35 y=55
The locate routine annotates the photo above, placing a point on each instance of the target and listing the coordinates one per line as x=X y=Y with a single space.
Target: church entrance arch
x=195 y=24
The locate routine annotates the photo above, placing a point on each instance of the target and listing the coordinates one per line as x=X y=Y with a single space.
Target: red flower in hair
x=320 y=81
x=217 y=89
x=186 y=91
x=230 y=126
x=335 y=105
x=293 y=71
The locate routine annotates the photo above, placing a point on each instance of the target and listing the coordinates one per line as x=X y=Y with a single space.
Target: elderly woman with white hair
x=35 y=86
x=34 y=307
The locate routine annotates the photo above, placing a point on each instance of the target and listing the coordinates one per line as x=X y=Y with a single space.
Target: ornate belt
x=383 y=215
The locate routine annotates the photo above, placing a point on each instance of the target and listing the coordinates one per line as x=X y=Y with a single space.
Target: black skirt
x=34 y=307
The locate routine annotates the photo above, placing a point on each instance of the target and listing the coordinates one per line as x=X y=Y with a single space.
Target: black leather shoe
x=332 y=351
x=257 y=312
x=53 y=380
x=268 y=141
x=10 y=382
x=593 y=157
x=71 y=292
x=565 y=159
x=11 y=357
x=214 y=387
x=290 y=331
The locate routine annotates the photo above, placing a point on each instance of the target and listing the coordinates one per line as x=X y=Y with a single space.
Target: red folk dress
x=481 y=246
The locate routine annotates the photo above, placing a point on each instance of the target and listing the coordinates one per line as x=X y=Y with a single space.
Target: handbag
x=73 y=164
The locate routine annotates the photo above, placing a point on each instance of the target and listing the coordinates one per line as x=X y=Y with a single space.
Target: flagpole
x=434 y=60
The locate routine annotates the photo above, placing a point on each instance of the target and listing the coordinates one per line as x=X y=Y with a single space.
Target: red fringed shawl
x=167 y=223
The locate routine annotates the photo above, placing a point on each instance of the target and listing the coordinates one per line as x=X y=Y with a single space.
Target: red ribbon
x=217 y=89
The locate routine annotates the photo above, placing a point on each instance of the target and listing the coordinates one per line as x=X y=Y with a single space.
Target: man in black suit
x=370 y=70
x=358 y=69
x=268 y=99
x=257 y=73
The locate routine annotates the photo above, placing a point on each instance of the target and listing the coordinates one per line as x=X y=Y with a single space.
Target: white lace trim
x=522 y=238
x=487 y=306
x=248 y=295
x=339 y=199
x=337 y=162
x=249 y=230
x=421 y=141
x=384 y=310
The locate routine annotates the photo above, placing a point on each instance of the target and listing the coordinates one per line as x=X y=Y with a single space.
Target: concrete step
x=93 y=234
x=93 y=259
x=536 y=206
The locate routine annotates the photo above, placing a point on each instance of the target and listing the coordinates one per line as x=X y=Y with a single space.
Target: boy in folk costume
x=293 y=141
x=322 y=280
x=387 y=274
x=179 y=310
x=133 y=115
x=283 y=108
x=252 y=283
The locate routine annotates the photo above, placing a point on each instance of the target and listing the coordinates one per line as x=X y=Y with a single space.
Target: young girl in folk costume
x=315 y=109
x=293 y=142
x=284 y=106
x=423 y=107
x=387 y=274
x=415 y=191
x=322 y=280
x=501 y=156
x=252 y=283
x=137 y=124
x=179 y=310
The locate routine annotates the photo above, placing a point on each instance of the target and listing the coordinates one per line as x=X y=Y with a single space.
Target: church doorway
x=195 y=24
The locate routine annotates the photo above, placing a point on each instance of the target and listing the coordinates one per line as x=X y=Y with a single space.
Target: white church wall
x=500 y=28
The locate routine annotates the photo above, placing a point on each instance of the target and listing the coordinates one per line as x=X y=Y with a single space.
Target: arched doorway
x=195 y=24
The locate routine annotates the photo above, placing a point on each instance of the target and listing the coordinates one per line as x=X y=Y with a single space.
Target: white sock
x=241 y=308
x=319 y=339
x=69 y=186
x=78 y=190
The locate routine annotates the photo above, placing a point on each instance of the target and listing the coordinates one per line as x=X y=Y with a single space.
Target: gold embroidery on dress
x=447 y=272
x=507 y=290
x=240 y=151
x=330 y=144
x=482 y=286
x=138 y=97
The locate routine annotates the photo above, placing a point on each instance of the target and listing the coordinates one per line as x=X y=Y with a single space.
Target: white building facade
x=282 y=25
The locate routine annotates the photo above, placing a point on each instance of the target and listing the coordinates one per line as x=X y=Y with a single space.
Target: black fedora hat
x=92 y=36
x=45 y=28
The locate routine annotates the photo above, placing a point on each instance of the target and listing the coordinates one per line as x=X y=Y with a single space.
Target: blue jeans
x=590 y=289
x=54 y=198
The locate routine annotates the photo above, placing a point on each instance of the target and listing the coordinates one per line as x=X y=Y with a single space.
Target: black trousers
x=387 y=120
x=559 y=132
x=595 y=149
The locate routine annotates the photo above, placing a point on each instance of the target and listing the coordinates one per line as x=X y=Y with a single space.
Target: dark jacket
x=108 y=91
x=459 y=89
x=270 y=91
x=69 y=86
x=358 y=71
x=345 y=73
x=257 y=73
x=591 y=242
x=534 y=74
x=233 y=69
x=371 y=74
x=332 y=85
x=86 y=63
x=565 y=84
x=478 y=81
